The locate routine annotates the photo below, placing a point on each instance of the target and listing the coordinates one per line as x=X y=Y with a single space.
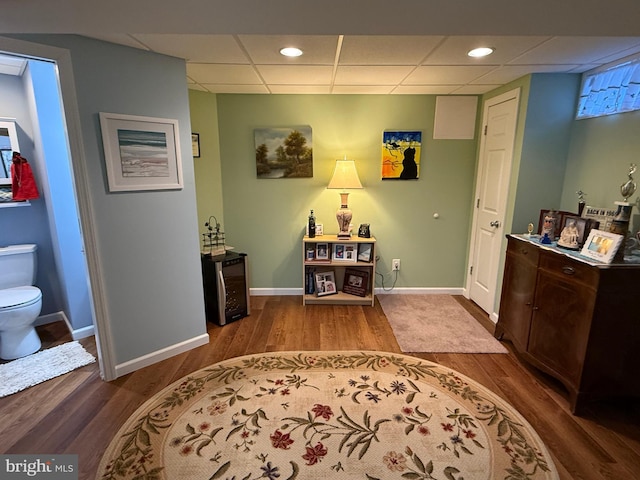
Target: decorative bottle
x=312 y=225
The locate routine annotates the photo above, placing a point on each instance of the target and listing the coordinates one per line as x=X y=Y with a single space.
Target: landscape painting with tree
x=284 y=152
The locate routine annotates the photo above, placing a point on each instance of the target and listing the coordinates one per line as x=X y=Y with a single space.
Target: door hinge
x=478 y=203
x=485 y=129
x=471 y=270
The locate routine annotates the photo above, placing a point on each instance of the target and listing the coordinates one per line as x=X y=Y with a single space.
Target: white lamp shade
x=345 y=175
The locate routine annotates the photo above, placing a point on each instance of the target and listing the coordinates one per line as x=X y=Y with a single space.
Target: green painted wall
x=207 y=168
x=266 y=218
x=599 y=157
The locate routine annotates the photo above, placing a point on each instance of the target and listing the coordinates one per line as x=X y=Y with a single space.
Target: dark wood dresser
x=575 y=319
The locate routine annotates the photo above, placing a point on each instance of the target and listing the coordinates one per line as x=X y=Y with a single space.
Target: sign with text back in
x=38 y=466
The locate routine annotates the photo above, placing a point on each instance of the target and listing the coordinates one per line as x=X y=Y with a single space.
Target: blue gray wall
x=147 y=242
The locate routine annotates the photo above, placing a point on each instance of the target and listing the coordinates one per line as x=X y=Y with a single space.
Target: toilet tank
x=17 y=266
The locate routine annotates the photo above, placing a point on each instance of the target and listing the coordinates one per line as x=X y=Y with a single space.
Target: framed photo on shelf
x=345 y=252
x=356 y=282
x=584 y=226
x=322 y=251
x=602 y=215
x=141 y=153
x=365 y=252
x=558 y=219
x=601 y=246
x=325 y=283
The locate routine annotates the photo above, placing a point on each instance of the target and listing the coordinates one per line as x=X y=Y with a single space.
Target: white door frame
x=62 y=57
x=512 y=94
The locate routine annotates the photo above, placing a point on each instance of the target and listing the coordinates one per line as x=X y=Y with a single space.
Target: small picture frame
x=325 y=283
x=319 y=229
x=365 y=252
x=322 y=251
x=345 y=252
x=195 y=145
x=356 y=282
x=601 y=246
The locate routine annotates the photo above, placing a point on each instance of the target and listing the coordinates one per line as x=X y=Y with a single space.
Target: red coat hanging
x=23 y=184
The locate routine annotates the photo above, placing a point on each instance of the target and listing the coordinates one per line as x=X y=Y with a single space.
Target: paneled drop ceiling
x=381 y=64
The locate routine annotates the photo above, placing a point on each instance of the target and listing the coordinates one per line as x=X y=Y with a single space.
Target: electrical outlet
x=395 y=264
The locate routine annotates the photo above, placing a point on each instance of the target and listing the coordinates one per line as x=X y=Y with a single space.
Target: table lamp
x=345 y=176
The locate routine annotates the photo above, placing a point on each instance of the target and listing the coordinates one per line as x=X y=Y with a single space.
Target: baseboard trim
x=159 y=355
x=379 y=291
x=76 y=334
x=421 y=291
x=261 y=292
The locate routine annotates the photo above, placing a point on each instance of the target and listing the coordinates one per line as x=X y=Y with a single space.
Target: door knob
x=495 y=223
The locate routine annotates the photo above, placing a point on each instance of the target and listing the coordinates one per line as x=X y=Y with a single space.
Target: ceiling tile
x=222 y=74
x=572 y=50
x=424 y=89
x=386 y=50
x=197 y=48
x=294 y=89
x=236 y=88
x=445 y=75
x=371 y=75
x=508 y=73
x=265 y=49
x=474 y=89
x=363 y=89
x=296 y=75
x=453 y=51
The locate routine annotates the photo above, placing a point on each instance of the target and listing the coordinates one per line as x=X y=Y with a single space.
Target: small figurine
x=628 y=188
x=529 y=230
x=548 y=228
x=581 y=202
x=569 y=236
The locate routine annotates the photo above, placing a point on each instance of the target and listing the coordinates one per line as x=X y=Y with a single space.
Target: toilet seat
x=19 y=297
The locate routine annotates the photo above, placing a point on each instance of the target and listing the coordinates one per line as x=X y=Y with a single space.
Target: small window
x=615 y=89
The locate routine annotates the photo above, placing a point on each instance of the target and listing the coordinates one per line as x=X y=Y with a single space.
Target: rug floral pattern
x=366 y=415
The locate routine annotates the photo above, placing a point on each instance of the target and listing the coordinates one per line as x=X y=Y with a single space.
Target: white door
x=492 y=187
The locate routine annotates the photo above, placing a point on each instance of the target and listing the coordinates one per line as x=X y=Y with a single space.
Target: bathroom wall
x=29 y=224
x=58 y=190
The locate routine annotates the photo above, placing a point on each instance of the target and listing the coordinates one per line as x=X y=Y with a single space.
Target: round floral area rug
x=311 y=415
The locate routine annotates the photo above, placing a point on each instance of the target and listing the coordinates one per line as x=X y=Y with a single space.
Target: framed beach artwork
x=284 y=152
x=141 y=153
x=401 y=155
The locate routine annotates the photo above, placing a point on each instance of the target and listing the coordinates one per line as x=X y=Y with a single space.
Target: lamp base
x=344 y=216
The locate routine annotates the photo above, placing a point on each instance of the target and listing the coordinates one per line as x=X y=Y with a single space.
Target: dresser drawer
x=571 y=270
x=523 y=251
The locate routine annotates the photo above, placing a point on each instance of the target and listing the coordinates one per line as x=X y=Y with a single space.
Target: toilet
x=20 y=302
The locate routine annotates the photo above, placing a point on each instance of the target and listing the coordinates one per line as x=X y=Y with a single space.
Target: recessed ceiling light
x=291 y=52
x=480 y=52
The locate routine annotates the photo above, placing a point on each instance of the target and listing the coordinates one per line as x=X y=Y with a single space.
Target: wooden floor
x=79 y=413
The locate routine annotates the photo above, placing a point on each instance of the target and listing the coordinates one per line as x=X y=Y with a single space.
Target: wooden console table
x=577 y=320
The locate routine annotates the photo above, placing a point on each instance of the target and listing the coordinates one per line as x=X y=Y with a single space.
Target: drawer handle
x=568 y=270
x=525 y=251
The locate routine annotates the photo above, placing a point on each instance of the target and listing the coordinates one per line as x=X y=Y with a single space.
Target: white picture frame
x=344 y=252
x=601 y=245
x=141 y=153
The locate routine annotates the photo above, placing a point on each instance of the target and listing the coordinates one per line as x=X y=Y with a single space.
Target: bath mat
x=41 y=366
